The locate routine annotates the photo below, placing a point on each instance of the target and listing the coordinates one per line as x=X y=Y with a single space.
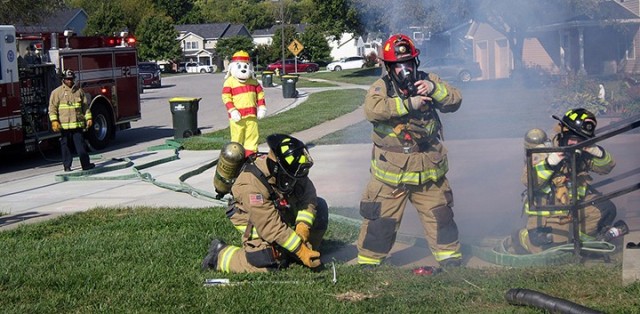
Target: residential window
x=192 y=45
x=630 y=54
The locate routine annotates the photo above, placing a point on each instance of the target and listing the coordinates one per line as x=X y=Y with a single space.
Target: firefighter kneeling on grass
x=276 y=209
x=552 y=184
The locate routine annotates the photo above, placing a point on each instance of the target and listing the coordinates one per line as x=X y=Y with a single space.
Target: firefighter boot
x=211 y=260
x=451 y=262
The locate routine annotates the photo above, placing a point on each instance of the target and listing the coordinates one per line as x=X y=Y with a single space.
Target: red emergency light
x=131 y=41
x=104 y=90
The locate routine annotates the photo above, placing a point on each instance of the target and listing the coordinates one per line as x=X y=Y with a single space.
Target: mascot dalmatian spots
x=243 y=97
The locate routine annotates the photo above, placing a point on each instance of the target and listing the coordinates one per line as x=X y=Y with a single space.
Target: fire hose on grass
x=540 y=300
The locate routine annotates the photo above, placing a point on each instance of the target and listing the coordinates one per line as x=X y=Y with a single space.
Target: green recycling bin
x=185 y=116
x=289 y=86
x=267 y=78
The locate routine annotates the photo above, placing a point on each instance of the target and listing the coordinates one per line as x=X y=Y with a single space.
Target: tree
x=336 y=17
x=226 y=47
x=156 y=38
x=28 y=12
x=315 y=44
x=107 y=19
x=181 y=11
x=276 y=45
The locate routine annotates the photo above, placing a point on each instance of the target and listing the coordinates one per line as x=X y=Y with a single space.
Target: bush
x=578 y=91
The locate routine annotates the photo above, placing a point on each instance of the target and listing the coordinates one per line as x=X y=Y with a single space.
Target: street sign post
x=295 y=47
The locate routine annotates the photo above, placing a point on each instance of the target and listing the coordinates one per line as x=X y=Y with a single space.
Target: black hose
x=552 y=304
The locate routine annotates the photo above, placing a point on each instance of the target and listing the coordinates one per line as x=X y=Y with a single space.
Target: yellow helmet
x=241 y=56
x=535 y=137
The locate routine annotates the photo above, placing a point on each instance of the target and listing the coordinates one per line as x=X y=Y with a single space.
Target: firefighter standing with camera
x=409 y=161
x=553 y=186
x=276 y=209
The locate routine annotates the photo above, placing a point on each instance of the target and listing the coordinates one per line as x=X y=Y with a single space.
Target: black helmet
x=579 y=121
x=292 y=160
x=68 y=75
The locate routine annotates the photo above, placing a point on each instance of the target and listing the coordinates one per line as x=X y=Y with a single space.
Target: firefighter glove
x=555 y=158
x=417 y=102
x=235 y=115
x=303 y=230
x=594 y=150
x=262 y=112
x=308 y=257
x=55 y=126
x=89 y=123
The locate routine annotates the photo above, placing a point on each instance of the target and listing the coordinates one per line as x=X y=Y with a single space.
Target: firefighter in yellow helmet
x=276 y=210
x=409 y=162
x=243 y=97
x=553 y=186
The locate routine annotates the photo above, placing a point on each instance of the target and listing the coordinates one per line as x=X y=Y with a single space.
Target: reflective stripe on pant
x=245 y=132
x=591 y=218
x=382 y=209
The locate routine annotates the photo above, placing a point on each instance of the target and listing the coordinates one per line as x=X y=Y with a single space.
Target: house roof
x=607 y=12
x=268 y=32
x=58 y=22
x=213 y=30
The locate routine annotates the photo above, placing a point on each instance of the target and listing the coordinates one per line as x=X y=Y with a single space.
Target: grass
x=148 y=260
x=320 y=107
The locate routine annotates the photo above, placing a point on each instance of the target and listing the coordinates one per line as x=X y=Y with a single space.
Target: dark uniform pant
x=382 y=207
x=76 y=136
x=257 y=255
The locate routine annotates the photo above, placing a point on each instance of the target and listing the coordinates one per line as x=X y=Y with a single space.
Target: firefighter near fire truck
x=409 y=162
x=105 y=68
x=553 y=185
x=276 y=211
x=70 y=115
x=243 y=97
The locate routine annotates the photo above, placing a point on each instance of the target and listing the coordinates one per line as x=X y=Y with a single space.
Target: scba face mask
x=405 y=75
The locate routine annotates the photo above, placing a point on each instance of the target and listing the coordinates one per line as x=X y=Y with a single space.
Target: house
x=603 y=44
x=65 y=19
x=198 y=41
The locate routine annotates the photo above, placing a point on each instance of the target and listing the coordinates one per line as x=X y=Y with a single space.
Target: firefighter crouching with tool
x=552 y=184
x=409 y=162
x=276 y=209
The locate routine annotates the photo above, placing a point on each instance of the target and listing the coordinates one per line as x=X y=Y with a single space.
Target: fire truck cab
x=30 y=65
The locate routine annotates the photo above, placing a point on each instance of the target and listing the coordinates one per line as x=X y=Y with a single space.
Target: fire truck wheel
x=103 y=128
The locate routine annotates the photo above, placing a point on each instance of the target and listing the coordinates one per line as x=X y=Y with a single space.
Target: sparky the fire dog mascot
x=244 y=98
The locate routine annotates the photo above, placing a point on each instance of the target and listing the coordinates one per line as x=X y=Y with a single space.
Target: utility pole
x=282 y=34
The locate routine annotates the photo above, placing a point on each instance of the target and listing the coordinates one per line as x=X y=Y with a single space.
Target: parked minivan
x=150 y=74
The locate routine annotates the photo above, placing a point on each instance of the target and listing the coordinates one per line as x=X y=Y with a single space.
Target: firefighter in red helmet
x=409 y=161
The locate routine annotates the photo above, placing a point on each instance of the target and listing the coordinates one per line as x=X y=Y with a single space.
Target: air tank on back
x=229 y=165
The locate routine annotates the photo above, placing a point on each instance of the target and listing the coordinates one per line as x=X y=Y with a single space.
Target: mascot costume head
x=241 y=67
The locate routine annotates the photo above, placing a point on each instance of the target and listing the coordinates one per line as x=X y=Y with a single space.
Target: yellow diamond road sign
x=295 y=47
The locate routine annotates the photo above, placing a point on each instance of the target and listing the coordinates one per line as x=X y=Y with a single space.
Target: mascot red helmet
x=399 y=48
x=240 y=56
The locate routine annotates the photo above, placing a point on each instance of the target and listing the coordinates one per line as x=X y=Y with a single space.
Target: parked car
x=197 y=67
x=450 y=68
x=149 y=73
x=290 y=66
x=347 y=63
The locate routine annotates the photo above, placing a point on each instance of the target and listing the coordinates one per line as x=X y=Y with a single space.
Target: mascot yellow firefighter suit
x=244 y=98
x=276 y=209
x=409 y=162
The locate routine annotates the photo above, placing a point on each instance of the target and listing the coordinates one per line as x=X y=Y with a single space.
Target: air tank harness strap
x=557 y=255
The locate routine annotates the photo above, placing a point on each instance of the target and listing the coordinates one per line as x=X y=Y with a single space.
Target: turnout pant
x=245 y=132
x=76 y=136
x=382 y=207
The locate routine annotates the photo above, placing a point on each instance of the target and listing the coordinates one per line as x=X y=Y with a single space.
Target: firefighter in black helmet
x=70 y=115
x=552 y=185
x=409 y=161
x=276 y=209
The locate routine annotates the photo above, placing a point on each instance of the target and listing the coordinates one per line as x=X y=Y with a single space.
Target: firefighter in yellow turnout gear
x=409 y=162
x=276 y=210
x=552 y=184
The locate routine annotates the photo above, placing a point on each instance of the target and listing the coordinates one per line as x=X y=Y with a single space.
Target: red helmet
x=399 y=48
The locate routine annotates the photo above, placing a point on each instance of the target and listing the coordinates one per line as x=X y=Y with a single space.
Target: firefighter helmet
x=292 y=160
x=240 y=56
x=68 y=75
x=535 y=137
x=580 y=122
x=399 y=48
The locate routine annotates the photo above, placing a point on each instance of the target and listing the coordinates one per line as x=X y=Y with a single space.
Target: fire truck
x=30 y=65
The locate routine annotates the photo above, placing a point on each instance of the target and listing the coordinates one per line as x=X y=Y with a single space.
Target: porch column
x=581 y=47
x=563 y=44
